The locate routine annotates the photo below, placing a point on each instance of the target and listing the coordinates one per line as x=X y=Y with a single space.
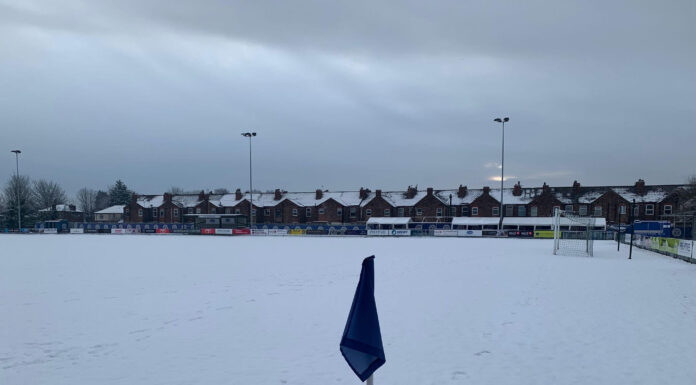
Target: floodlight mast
x=502 y=170
x=251 y=190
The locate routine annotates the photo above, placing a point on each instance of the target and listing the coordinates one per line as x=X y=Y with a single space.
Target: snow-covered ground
x=100 y=309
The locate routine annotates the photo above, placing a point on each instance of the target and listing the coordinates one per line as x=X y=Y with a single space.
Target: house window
x=278 y=213
x=597 y=211
x=294 y=212
x=162 y=213
x=495 y=211
x=140 y=212
x=154 y=213
x=533 y=211
x=419 y=212
x=368 y=212
x=401 y=211
x=568 y=208
x=521 y=211
x=583 y=210
x=649 y=209
x=622 y=209
x=508 y=211
x=214 y=211
x=228 y=210
x=308 y=212
x=474 y=211
x=439 y=211
x=198 y=210
x=387 y=212
x=176 y=212
x=636 y=210
x=453 y=211
x=667 y=209
x=321 y=211
x=410 y=211
x=237 y=211
x=253 y=212
x=190 y=210
x=352 y=212
x=267 y=212
x=339 y=212
x=465 y=210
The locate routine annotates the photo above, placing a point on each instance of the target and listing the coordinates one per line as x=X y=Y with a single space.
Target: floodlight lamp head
x=16 y=151
x=506 y=120
x=497 y=120
x=253 y=134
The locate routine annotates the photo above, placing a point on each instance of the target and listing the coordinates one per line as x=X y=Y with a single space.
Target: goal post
x=572 y=234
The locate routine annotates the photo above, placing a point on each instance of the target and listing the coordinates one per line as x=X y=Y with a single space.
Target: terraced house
x=430 y=205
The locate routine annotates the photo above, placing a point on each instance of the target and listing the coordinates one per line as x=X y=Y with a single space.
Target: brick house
x=485 y=205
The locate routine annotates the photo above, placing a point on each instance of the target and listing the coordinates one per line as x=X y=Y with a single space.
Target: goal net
x=572 y=234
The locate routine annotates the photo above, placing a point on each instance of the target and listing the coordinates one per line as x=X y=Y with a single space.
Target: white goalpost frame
x=573 y=242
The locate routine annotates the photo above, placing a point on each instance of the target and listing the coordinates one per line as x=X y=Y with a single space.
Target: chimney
x=411 y=192
x=238 y=195
x=72 y=207
x=517 y=190
x=363 y=193
x=640 y=187
x=545 y=188
x=461 y=193
x=576 y=187
x=168 y=197
x=378 y=193
x=277 y=196
x=430 y=191
x=319 y=194
x=134 y=198
x=486 y=190
x=201 y=195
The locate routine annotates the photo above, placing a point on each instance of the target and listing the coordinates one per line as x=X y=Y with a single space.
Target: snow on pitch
x=90 y=309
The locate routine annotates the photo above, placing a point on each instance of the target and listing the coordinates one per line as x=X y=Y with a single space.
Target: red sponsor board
x=162 y=231
x=241 y=231
x=208 y=231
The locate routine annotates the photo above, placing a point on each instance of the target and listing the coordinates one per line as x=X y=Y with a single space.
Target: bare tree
x=176 y=190
x=221 y=190
x=18 y=190
x=102 y=200
x=87 y=201
x=48 y=193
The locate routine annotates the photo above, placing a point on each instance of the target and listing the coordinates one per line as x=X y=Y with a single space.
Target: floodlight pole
x=19 y=201
x=251 y=189
x=633 y=230
x=502 y=172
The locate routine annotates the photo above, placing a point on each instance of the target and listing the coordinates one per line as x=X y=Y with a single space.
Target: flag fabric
x=361 y=344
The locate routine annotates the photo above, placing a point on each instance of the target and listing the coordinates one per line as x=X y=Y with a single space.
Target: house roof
x=116 y=209
x=389 y=221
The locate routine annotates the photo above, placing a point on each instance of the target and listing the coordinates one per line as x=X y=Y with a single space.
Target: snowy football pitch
x=91 y=309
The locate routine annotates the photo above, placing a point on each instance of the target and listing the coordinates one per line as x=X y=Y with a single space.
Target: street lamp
x=502 y=170
x=19 y=204
x=251 y=190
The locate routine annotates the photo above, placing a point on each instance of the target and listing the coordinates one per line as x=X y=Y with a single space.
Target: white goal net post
x=572 y=234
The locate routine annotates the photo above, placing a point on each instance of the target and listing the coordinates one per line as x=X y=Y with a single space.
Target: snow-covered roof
x=479 y=221
x=149 y=201
x=398 y=198
x=188 y=200
x=651 y=195
x=389 y=221
x=115 y=209
x=60 y=208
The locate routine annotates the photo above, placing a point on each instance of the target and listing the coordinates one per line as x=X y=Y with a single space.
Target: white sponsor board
x=277 y=232
x=223 y=231
x=396 y=233
x=457 y=233
x=50 y=231
x=259 y=231
x=627 y=238
x=77 y=231
x=118 y=231
x=686 y=248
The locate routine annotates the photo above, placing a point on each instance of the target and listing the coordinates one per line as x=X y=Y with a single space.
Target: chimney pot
x=276 y=195
x=319 y=194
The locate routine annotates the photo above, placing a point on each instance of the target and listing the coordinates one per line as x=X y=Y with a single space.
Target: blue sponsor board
x=653 y=228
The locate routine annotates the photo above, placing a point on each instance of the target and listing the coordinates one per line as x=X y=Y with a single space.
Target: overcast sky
x=381 y=94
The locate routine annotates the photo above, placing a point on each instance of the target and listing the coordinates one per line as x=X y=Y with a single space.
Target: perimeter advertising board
x=223 y=231
x=457 y=233
x=686 y=248
x=77 y=231
x=241 y=231
x=50 y=231
x=393 y=233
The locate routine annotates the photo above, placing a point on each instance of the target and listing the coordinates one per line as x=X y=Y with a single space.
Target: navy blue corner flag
x=361 y=344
